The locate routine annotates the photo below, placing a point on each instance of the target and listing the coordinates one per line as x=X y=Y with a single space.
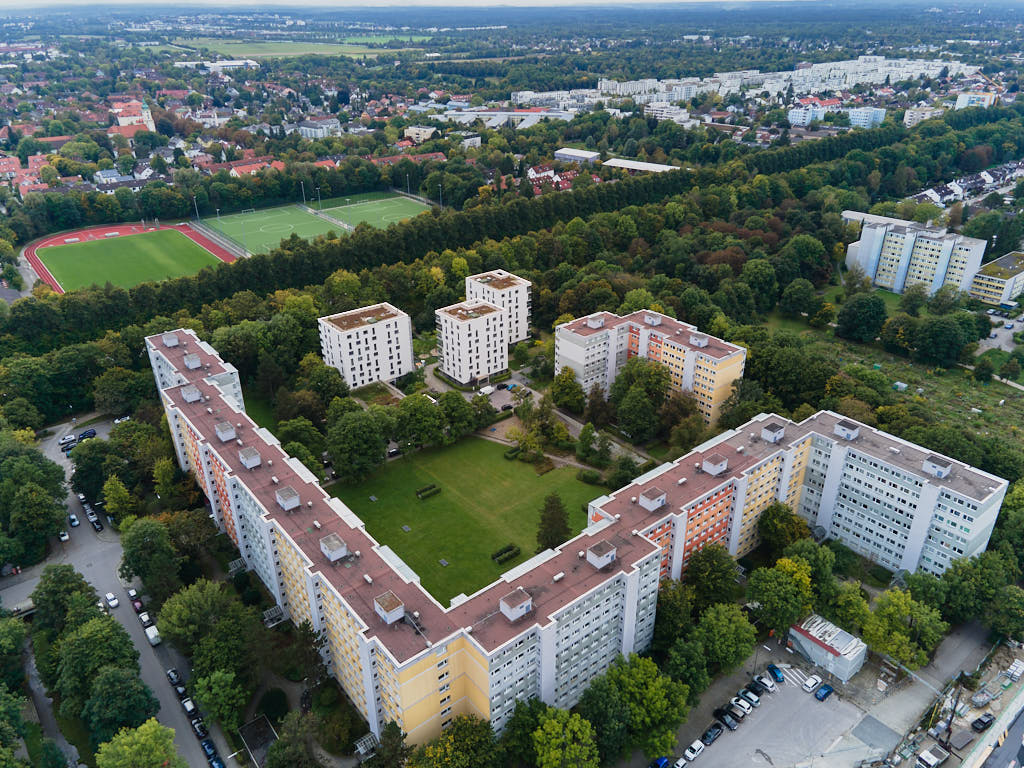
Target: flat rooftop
x=1005 y=266
x=362 y=317
x=469 y=310
x=499 y=279
x=667 y=328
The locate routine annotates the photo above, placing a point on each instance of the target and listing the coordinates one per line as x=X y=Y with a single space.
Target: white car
x=811 y=683
x=111 y=599
x=743 y=704
x=122 y=420
x=694 y=750
x=767 y=682
x=63 y=536
x=132 y=594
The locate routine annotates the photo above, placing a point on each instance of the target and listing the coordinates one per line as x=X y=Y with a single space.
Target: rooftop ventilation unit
x=773 y=432
x=225 y=431
x=698 y=340
x=715 y=464
x=516 y=604
x=191 y=394
x=287 y=498
x=601 y=554
x=389 y=607
x=170 y=339
x=651 y=319
x=848 y=430
x=558 y=577
x=937 y=466
x=316 y=524
x=652 y=499
x=681 y=481
x=249 y=457
x=333 y=547
x=192 y=361
x=595 y=322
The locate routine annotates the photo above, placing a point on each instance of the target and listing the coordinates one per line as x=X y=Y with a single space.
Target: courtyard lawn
x=262 y=231
x=486 y=502
x=378 y=209
x=125 y=261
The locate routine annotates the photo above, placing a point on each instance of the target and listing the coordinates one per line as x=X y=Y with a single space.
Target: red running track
x=98 y=233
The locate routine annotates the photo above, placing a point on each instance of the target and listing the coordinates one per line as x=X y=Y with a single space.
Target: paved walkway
x=44 y=707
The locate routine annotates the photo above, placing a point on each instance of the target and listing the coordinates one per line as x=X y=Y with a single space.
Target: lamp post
x=319 y=202
x=440 y=198
x=196 y=206
x=407 y=184
x=218 y=214
x=303 y=185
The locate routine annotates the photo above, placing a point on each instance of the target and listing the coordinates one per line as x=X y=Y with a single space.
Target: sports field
x=378 y=209
x=125 y=261
x=485 y=503
x=262 y=231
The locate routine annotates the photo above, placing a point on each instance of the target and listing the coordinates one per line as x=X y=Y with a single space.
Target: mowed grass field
x=378 y=209
x=255 y=49
x=262 y=231
x=125 y=261
x=485 y=503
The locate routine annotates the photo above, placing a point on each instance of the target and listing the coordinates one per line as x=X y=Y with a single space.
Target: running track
x=97 y=233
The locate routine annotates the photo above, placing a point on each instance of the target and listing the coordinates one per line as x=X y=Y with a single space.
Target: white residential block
x=368 y=344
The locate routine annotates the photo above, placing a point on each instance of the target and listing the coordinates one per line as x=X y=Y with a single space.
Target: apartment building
x=543 y=629
x=895 y=253
x=976 y=99
x=917 y=115
x=805 y=115
x=368 y=344
x=891 y=501
x=472 y=340
x=598 y=345
x=1001 y=281
x=866 y=117
x=508 y=291
x=572 y=155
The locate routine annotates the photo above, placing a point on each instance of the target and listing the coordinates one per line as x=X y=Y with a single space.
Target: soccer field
x=262 y=231
x=374 y=208
x=125 y=261
x=485 y=503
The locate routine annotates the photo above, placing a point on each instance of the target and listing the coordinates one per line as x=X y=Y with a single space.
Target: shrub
x=589 y=476
x=425 y=488
x=421 y=495
x=512 y=453
x=274 y=704
x=498 y=553
x=512 y=554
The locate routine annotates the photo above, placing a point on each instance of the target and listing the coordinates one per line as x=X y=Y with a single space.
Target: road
x=97 y=557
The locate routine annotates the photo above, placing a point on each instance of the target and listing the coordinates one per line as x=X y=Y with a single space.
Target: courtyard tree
x=149 y=554
x=563 y=740
x=726 y=635
x=610 y=717
x=778 y=527
x=861 y=318
x=356 y=445
x=151 y=745
x=221 y=695
x=119 y=699
x=553 y=528
x=783 y=593
x=656 y=703
x=711 y=572
x=674 y=615
x=687 y=664
x=392 y=751
x=567 y=392
x=468 y=742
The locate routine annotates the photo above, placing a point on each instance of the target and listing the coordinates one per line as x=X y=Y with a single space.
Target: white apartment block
x=1001 y=281
x=895 y=253
x=919 y=114
x=805 y=115
x=544 y=629
x=598 y=345
x=866 y=117
x=472 y=340
x=663 y=110
x=508 y=291
x=975 y=99
x=894 y=502
x=368 y=344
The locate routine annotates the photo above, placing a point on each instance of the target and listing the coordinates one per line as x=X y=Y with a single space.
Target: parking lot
x=1003 y=337
x=789 y=727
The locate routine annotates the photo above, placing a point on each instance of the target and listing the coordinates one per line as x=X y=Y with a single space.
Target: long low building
x=543 y=630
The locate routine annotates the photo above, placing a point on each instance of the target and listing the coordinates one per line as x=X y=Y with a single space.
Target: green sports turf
x=374 y=208
x=262 y=231
x=485 y=503
x=126 y=260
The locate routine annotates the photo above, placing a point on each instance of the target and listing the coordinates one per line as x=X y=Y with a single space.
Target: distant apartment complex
x=976 y=99
x=472 y=340
x=508 y=291
x=368 y=344
x=598 y=345
x=1000 y=281
x=545 y=629
x=571 y=155
x=893 y=502
x=894 y=253
x=917 y=115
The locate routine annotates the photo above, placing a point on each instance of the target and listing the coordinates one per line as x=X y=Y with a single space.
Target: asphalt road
x=1004 y=336
x=97 y=557
x=1012 y=749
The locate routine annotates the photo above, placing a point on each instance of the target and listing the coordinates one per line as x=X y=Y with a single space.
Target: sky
x=21 y=5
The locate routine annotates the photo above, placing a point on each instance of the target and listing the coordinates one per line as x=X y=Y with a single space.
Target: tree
x=759 y=274
x=585 y=442
x=118 y=699
x=636 y=415
x=567 y=392
x=797 y=298
x=119 y=502
x=301 y=430
x=151 y=745
x=517 y=740
x=779 y=527
x=21 y=414
x=163 y=478
x=147 y=553
x=850 y=610
x=944 y=300
x=33 y=517
x=914 y=298
x=609 y=715
x=419 y=422
x=674 y=615
x=711 y=572
x=656 y=703
x=293 y=748
x=189 y=529
x=821 y=561
x=467 y=743
x=189 y=614
x=392 y=751
x=726 y=636
x=903 y=628
x=597 y=411
x=83 y=651
x=12 y=641
x=1010 y=369
x=356 y=445
x=118 y=391
x=783 y=593
x=52 y=756
x=652 y=377
x=553 y=528
x=565 y=740
x=458 y=413
x=972 y=584
x=983 y=369
x=1005 y=615
x=861 y=318
x=57 y=585
x=221 y=696
x=939 y=341
x=687 y=664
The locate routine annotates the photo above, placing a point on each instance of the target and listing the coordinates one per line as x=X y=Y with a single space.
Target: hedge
x=504 y=550
x=589 y=476
x=421 y=495
x=512 y=554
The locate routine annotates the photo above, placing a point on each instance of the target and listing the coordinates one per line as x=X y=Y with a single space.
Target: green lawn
x=255 y=49
x=485 y=503
x=260 y=410
x=262 y=231
x=125 y=261
x=378 y=209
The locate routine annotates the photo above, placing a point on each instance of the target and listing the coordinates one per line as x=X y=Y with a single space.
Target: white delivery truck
x=488 y=390
x=153 y=635
x=932 y=758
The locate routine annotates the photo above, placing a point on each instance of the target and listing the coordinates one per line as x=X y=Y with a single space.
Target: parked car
x=755 y=687
x=81 y=498
x=145 y=620
x=66 y=440
x=750 y=696
x=180 y=691
x=776 y=673
x=743 y=704
x=507 y=407
x=63 y=536
x=73 y=520
x=725 y=719
x=765 y=682
x=189 y=706
x=659 y=762
x=122 y=420
x=87 y=434
x=693 y=751
x=713 y=732
x=503 y=386
x=983 y=723
x=111 y=599
x=208 y=749
x=133 y=594
x=680 y=763
x=737 y=713
x=137 y=606
x=173 y=677
x=823 y=692
x=199 y=728
x=96 y=525
x=216 y=762
x=811 y=683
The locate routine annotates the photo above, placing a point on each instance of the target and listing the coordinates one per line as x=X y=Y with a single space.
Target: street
x=97 y=556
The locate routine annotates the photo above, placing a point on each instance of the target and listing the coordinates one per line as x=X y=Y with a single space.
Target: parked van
x=153 y=635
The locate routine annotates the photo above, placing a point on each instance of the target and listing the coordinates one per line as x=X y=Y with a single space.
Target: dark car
x=173 y=677
x=660 y=762
x=180 y=691
x=507 y=407
x=208 y=749
x=199 y=728
x=823 y=692
x=503 y=386
x=216 y=762
x=776 y=673
x=96 y=525
x=983 y=723
x=757 y=688
x=137 y=606
x=737 y=712
x=87 y=434
x=713 y=732
x=726 y=719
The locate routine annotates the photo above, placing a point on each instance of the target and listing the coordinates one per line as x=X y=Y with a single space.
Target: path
x=1007 y=382
x=44 y=707
x=29 y=252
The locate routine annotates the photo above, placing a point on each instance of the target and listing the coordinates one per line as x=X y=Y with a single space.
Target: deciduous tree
x=726 y=636
x=564 y=740
x=151 y=745
x=147 y=553
x=220 y=695
x=355 y=445
x=118 y=699
x=711 y=572
x=656 y=703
